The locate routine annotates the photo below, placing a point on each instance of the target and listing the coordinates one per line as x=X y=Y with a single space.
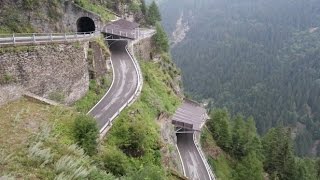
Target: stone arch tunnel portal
x=85 y=24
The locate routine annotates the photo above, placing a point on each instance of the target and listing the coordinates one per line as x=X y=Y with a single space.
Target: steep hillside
x=236 y=151
x=40 y=141
x=254 y=57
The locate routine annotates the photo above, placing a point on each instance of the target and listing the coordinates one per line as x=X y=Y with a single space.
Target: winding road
x=124 y=85
x=195 y=168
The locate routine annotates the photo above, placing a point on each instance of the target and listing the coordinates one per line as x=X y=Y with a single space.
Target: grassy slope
x=49 y=130
x=96 y=8
x=220 y=161
x=156 y=98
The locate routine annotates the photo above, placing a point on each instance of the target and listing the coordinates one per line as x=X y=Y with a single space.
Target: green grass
x=37 y=142
x=95 y=93
x=96 y=8
x=138 y=122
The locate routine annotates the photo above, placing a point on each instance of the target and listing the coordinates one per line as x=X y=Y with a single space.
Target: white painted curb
x=209 y=170
x=113 y=77
x=183 y=168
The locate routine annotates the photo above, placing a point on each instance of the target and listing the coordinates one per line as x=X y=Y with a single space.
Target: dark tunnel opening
x=85 y=24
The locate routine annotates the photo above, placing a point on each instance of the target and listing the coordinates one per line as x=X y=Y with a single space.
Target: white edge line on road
x=184 y=170
x=203 y=158
x=130 y=99
x=113 y=78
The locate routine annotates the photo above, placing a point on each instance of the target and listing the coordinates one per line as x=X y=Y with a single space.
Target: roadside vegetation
x=236 y=151
x=46 y=142
x=97 y=87
x=96 y=8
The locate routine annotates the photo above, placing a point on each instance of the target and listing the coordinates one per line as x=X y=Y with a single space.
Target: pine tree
x=161 y=39
x=279 y=157
x=249 y=168
x=220 y=128
x=143 y=7
x=153 y=14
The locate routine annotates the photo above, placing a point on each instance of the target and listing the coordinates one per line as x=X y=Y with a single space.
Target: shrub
x=86 y=133
x=115 y=162
x=149 y=172
x=6 y=79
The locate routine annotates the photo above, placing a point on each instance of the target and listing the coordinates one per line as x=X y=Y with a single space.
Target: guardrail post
x=51 y=38
x=65 y=36
x=13 y=39
x=126 y=34
x=34 y=38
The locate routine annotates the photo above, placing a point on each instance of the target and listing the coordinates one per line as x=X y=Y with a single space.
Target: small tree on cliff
x=153 y=14
x=161 y=39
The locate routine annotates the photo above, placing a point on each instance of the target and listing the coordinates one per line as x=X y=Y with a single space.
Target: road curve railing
x=203 y=157
x=38 y=38
x=138 y=90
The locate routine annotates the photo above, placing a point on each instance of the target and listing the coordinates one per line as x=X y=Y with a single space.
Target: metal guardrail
x=137 y=92
x=203 y=157
x=34 y=38
x=139 y=33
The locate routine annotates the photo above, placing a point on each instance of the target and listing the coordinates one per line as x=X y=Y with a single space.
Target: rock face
x=143 y=49
x=170 y=154
x=50 y=16
x=57 y=72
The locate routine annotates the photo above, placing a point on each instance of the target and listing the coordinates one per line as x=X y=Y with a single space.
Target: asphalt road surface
x=123 y=88
x=194 y=166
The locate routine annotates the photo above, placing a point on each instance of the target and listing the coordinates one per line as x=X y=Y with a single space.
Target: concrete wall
x=46 y=70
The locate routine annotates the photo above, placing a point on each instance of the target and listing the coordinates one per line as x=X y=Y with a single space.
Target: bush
x=115 y=162
x=86 y=133
x=149 y=172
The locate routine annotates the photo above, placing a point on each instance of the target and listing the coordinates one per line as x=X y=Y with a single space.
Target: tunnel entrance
x=85 y=24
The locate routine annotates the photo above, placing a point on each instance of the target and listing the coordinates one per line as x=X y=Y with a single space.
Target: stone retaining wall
x=57 y=72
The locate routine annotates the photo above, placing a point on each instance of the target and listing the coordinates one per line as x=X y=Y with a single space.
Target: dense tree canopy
x=260 y=58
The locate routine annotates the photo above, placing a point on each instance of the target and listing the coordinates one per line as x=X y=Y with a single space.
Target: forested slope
x=259 y=58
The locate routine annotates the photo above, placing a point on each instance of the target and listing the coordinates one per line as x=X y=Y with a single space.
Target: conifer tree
x=153 y=14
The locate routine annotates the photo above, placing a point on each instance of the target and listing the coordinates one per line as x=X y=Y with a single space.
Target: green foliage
x=149 y=172
x=54 y=10
x=134 y=139
x=143 y=7
x=97 y=8
x=134 y=7
x=277 y=148
x=161 y=39
x=6 y=79
x=14 y=22
x=86 y=133
x=249 y=168
x=153 y=15
x=255 y=59
x=306 y=169
x=220 y=128
x=31 y=4
x=244 y=138
x=115 y=162
x=95 y=93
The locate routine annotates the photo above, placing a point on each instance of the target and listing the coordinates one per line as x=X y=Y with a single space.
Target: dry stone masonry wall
x=57 y=72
